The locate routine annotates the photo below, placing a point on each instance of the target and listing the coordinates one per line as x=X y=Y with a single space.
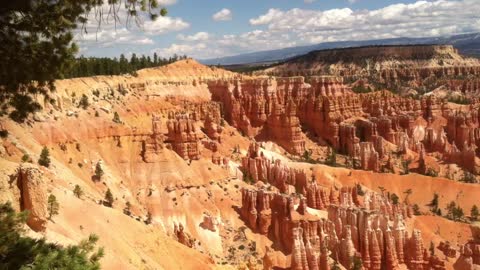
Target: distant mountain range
x=468 y=44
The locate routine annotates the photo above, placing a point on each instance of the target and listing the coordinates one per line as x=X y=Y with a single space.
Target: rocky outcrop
x=257 y=167
x=33 y=197
x=183 y=136
x=374 y=230
x=183 y=237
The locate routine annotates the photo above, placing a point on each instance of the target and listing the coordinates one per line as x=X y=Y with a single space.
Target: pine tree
x=18 y=251
x=84 y=103
x=53 y=206
x=108 y=198
x=474 y=213
x=394 y=198
x=127 y=209
x=434 y=203
x=116 y=118
x=44 y=159
x=38 y=51
x=78 y=191
x=99 y=171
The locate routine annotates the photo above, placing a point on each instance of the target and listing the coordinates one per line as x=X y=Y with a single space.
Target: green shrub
x=18 y=251
x=44 y=159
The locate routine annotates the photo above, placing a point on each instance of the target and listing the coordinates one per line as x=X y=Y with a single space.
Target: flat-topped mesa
x=183 y=136
x=411 y=64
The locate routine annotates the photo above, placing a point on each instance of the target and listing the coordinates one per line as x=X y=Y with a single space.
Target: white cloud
x=200 y=36
x=166 y=2
x=137 y=32
x=271 y=15
x=278 y=28
x=180 y=49
x=422 y=18
x=223 y=15
x=309 y=1
x=164 y=25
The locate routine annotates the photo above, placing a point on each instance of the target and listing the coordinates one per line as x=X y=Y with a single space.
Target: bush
x=468 y=178
x=394 y=198
x=84 y=103
x=22 y=252
x=53 y=206
x=44 y=159
x=99 y=171
x=108 y=198
x=77 y=191
x=474 y=213
x=26 y=158
x=3 y=133
x=331 y=158
x=116 y=118
x=416 y=210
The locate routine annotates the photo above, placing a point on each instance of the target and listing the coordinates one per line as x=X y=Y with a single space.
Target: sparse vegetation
x=454 y=211
x=394 y=198
x=357 y=263
x=405 y=166
x=459 y=100
x=26 y=158
x=108 y=201
x=52 y=206
x=77 y=191
x=3 y=133
x=434 y=205
x=116 y=118
x=474 y=213
x=416 y=210
x=84 y=103
x=127 y=209
x=99 y=171
x=44 y=159
x=468 y=177
x=360 y=191
x=331 y=159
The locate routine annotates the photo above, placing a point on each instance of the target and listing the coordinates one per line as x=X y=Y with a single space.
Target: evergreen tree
x=99 y=171
x=84 y=103
x=108 y=198
x=394 y=198
x=116 y=118
x=474 y=213
x=18 y=251
x=44 y=159
x=37 y=45
x=78 y=191
x=52 y=206
x=434 y=203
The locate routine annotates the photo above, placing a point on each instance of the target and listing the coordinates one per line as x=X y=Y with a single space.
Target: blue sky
x=214 y=28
